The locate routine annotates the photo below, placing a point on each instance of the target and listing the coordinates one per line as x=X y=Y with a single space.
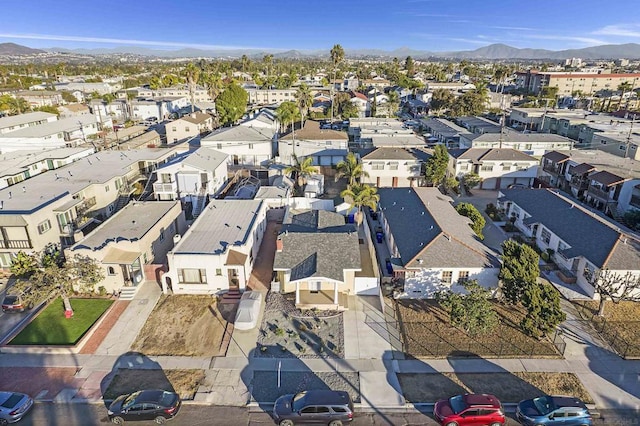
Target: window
x=545 y=235
x=106 y=188
x=486 y=168
x=446 y=277
x=111 y=270
x=161 y=238
x=218 y=271
x=463 y=276
x=322 y=410
x=219 y=146
x=250 y=146
x=198 y=276
x=173 y=129
x=44 y=226
x=561 y=246
x=308 y=410
x=393 y=166
x=339 y=409
x=377 y=166
x=186 y=129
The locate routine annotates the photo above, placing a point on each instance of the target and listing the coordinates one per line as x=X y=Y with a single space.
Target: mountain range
x=493 y=51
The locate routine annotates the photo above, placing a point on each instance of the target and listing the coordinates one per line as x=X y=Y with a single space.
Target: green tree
x=442 y=99
x=288 y=113
x=300 y=171
x=473 y=311
x=337 y=55
x=350 y=168
x=614 y=286
x=632 y=219
x=470 y=103
x=13 y=106
x=410 y=66
x=542 y=302
x=192 y=74
x=436 y=165
x=304 y=100
x=231 y=104
x=48 y=108
x=477 y=220
x=68 y=97
x=519 y=271
x=471 y=179
x=84 y=273
x=24 y=265
x=344 y=107
x=360 y=195
x=393 y=103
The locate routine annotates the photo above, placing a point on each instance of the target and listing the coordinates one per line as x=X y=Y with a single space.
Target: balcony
x=552 y=168
x=170 y=187
x=15 y=244
x=599 y=193
x=579 y=183
x=85 y=206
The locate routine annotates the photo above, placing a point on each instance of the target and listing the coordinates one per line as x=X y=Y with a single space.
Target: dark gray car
x=326 y=407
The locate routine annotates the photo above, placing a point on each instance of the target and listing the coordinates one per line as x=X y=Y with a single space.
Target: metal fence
x=615 y=333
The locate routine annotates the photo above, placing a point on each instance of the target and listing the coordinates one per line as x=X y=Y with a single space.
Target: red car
x=469 y=410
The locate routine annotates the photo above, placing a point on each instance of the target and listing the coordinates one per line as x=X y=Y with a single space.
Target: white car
x=248 y=310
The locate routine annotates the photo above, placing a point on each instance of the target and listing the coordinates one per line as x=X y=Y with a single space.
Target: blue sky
x=435 y=25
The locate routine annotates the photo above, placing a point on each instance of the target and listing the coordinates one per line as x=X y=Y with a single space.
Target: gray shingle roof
x=556 y=157
x=389 y=154
x=317 y=243
x=588 y=236
x=206 y=159
x=606 y=178
x=491 y=154
x=511 y=136
x=237 y=133
x=429 y=233
x=30 y=117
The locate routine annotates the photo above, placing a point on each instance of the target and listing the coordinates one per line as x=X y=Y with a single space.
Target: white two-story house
x=393 y=167
x=498 y=168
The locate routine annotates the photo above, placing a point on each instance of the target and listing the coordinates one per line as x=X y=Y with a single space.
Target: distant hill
x=12 y=49
x=493 y=51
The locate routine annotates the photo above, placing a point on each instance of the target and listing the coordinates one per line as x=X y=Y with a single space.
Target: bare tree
x=615 y=286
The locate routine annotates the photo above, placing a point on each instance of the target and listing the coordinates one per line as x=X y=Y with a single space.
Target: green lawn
x=51 y=327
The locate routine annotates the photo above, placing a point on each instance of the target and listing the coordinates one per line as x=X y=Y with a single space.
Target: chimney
x=279 y=245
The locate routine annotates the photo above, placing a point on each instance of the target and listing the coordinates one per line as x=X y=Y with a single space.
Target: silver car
x=13 y=406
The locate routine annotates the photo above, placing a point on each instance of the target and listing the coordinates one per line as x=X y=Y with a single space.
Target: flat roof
x=97 y=168
x=129 y=224
x=602 y=160
x=222 y=224
x=50 y=128
x=30 y=117
x=16 y=162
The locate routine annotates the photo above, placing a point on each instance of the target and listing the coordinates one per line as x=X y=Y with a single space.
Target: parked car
x=553 y=410
x=379 y=234
x=13 y=406
x=469 y=409
x=17 y=302
x=248 y=310
x=388 y=265
x=326 y=407
x=157 y=405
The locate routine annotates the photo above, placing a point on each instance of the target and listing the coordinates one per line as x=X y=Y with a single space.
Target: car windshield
x=457 y=404
x=167 y=399
x=12 y=401
x=297 y=401
x=544 y=405
x=10 y=300
x=130 y=400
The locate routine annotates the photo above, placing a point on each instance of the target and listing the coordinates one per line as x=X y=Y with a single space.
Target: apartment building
x=568 y=83
x=188 y=126
x=22 y=121
x=270 y=96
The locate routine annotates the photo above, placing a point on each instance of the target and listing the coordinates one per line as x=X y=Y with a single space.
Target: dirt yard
x=185 y=325
x=508 y=387
x=183 y=382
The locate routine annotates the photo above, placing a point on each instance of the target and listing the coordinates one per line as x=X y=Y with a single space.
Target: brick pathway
x=105 y=327
x=260 y=279
x=43 y=383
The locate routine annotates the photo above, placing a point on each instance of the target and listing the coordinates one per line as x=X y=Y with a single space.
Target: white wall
x=426 y=282
x=246 y=153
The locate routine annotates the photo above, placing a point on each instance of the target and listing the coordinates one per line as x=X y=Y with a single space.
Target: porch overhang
x=120 y=257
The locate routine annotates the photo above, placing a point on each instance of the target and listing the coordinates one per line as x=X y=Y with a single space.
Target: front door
x=314 y=286
x=395 y=182
x=234 y=283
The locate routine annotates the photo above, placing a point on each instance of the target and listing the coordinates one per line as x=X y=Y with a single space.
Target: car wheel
x=451 y=424
x=286 y=422
x=496 y=424
x=335 y=423
x=4 y=422
x=117 y=420
x=160 y=420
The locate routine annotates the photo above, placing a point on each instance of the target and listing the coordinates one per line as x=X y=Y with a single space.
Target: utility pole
x=629 y=135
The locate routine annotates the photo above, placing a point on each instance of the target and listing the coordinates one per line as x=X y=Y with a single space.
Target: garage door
x=489 y=183
x=505 y=182
x=325 y=160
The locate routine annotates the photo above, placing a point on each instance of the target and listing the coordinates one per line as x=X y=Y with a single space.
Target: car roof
x=484 y=400
x=326 y=397
x=151 y=395
x=567 y=401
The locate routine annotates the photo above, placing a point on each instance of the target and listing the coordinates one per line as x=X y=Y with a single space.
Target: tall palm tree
x=394 y=100
x=301 y=170
x=192 y=73
x=359 y=196
x=350 y=168
x=337 y=55
x=245 y=63
x=287 y=112
x=304 y=100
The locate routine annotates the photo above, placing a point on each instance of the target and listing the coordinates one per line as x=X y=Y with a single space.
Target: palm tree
x=245 y=63
x=623 y=88
x=350 y=168
x=303 y=100
x=192 y=73
x=337 y=55
x=359 y=196
x=301 y=171
x=394 y=100
x=287 y=112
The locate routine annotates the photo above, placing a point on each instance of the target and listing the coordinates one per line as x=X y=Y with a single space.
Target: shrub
x=102 y=291
x=278 y=332
x=478 y=222
x=473 y=311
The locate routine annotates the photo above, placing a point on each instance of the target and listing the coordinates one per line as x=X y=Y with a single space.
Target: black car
x=157 y=405
x=326 y=407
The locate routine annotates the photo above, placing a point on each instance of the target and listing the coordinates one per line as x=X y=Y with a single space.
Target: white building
x=530 y=143
x=245 y=145
x=12 y=123
x=218 y=251
x=393 y=167
x=188 y=126
x=327 y=147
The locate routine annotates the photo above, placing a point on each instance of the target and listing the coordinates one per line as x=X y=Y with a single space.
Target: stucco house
x=317 y=257
x=140 y=234
x=327 y=147
x=497 y=167
x=580 y=241
x=393 y=167
x=189 y=126
x=217 y=253
x=432 y=247
x=245 y=145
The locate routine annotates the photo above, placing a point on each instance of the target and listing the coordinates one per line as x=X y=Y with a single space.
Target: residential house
x=40 y=98
x=361 y=102
x=432 y=247
x=18 y=166
x=393 y=167
x=605 y=181
x=497 y=167
x=327 y=147
x=12 y=123
x=192 y=177
x=377 y=82
x=442 y=131
x=160 y=107
x=218 y=251
x=270 y=96
x=58 y=207
x=73 y=110
x=530 y=143
x=478 y=125
x=579 y=241
x=69 y=132
x=527 y=118
x=136 y=237
x=317 y=257
x=263 y=119
x=189 y=126
x=245 y=145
